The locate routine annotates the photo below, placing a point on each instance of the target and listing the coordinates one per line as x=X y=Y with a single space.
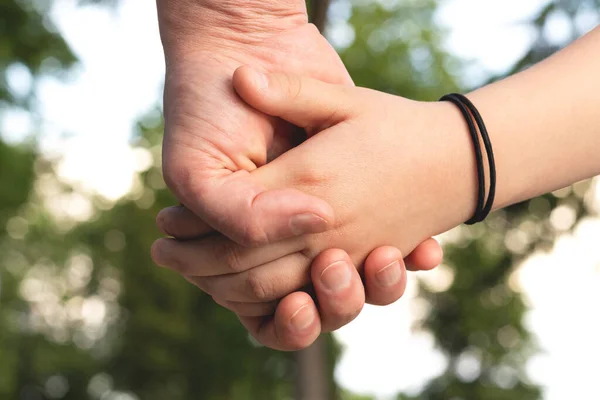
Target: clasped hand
x=373 y=158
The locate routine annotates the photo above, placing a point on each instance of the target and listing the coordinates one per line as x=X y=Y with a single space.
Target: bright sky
x=120 y=78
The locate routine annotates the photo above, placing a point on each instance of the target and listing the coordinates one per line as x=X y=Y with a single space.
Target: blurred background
x=84 y=313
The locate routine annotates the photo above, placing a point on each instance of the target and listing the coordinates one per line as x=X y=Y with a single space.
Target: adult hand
x=336 y=284
x=212 y=138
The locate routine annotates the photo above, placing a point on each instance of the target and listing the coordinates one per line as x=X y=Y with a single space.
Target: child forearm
x=544 y=122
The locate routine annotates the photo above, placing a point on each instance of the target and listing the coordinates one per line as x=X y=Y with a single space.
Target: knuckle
x=254 y=235
x=180 y=182
x=174 y=176
x=184 y=180
x=258 y=288
x=291 y=85
x=233 y=260
x=228 y=254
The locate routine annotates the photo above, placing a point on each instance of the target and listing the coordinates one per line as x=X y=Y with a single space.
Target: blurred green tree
x=26 y=41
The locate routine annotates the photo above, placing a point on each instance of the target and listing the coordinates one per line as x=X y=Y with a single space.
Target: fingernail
x=307 y=223
x=260 y=79
x=302 y=318
x=337 y=276
x=390 y=275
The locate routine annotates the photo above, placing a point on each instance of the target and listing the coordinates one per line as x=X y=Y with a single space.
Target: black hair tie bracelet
x=470 y=113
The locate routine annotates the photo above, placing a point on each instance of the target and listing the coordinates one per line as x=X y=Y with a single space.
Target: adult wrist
x=207 y=24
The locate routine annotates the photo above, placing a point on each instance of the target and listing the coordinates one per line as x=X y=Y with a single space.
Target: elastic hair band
x=470 y=113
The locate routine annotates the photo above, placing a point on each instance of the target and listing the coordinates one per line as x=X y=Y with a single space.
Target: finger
x=385 y=276
x=425 y=257
x=249 y=309
x=180 y=223
x=295 y=325
x=217 y=255
x=266 y=283
x=304 y=102
x=338 y=287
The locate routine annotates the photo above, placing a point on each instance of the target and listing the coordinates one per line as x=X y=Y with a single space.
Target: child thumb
x=304 y=102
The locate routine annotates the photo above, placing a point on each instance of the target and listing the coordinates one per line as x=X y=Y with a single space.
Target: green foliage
x=28 y=38
x=397 y=49
x=16 y=179
x=542 y=47
x=24 y=40
x=351 y=396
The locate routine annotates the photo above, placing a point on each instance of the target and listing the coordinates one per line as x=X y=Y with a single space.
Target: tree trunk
x=319 y=13
x=312 y=381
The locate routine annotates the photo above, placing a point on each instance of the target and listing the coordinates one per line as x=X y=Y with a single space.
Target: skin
x=337 y=304
x=213 y=140
x=359 y=128
x=330 y=165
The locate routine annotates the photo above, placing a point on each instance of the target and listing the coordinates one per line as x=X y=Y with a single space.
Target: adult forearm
x=544 y=122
